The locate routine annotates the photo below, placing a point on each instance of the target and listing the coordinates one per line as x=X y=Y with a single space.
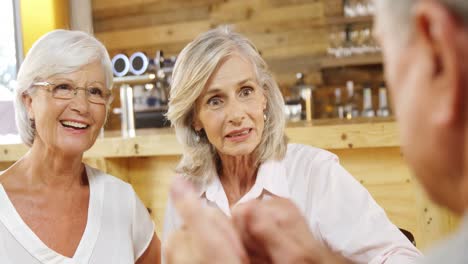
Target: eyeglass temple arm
x=42 y=83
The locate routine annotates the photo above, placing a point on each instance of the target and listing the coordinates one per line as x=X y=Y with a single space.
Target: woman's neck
x=46 y=166
x=238 y=175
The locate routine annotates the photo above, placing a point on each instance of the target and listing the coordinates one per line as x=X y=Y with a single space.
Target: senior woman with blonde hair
x=54 y=208
x=227 y=111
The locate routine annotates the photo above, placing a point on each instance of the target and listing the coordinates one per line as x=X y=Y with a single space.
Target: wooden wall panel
x=4 y=165
x=103 y=9
x=289 y=33
x=147 y=36
x=149 y=19
x=386 y=176
x=292 y=35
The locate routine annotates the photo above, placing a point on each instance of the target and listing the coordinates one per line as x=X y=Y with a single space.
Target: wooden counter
x=162 y=142
x=370 y=151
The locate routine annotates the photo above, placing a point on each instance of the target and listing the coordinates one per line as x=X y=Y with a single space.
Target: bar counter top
x=163 y=142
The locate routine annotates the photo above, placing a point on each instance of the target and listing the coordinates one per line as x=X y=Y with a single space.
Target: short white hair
x=57 y=52
x=194 y=66
x=399 y=12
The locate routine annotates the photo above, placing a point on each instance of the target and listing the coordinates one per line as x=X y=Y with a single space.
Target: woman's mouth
x=239 y=135
x=74 y=125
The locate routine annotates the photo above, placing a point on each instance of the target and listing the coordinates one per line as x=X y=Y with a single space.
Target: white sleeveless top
x=118 y=229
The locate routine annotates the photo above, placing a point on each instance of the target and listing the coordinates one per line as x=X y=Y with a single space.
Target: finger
x=185 y=201
x=259 y=259
x=177 y=248
x=223 y=228
x=241 y=216
x=203 y=221
x=263 y=226
x=288 y=216
x=279 y=225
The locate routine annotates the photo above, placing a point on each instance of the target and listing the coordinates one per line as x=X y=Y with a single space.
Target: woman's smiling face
x=70 y=126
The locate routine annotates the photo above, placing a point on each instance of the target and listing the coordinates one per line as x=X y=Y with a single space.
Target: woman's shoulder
x=309 y=153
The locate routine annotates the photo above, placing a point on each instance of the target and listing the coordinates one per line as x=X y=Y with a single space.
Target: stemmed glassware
x=354 y=8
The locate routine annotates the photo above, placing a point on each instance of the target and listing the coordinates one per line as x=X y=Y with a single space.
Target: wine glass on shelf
x=337 y=39
x=370 y=7
x=360 y=8
x=374 y=47
x=350 y=8
x=355 y=39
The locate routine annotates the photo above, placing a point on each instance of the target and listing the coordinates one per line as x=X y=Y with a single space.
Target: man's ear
x=440 y=30
x=28 y=101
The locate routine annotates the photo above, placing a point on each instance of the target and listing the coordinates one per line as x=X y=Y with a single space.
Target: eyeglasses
x=95 y=94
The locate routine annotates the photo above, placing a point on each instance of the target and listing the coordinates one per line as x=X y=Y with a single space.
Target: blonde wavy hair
x=195 y=64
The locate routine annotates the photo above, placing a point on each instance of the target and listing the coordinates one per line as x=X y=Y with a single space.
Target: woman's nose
x=80 y=101
x=235 y=113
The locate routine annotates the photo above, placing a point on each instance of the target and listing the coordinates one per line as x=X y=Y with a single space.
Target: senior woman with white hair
x=54 y=208
x=227 y=111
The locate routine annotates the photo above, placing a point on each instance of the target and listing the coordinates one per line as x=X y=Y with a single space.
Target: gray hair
x=57 y=52
x=194 y=66
x=400 y=12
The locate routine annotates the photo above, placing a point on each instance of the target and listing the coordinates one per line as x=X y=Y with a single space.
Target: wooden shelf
x=371 y=59
x=341 y=20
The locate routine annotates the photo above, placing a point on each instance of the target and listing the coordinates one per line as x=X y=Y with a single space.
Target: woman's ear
x=28 y=101
x=196 y=124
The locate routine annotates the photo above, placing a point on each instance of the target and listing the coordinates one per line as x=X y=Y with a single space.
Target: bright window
x=8 y=55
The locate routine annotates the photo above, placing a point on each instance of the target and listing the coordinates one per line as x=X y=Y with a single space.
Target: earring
x=32 y=123
x=197 y=137
x=264 y=117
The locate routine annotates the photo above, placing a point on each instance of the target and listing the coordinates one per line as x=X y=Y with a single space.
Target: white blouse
x=118 y=229
x=340 y=211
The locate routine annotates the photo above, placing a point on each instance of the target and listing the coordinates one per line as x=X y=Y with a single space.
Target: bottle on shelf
x=328 y=109
x=307 y=97
x=383 y=110
x=299 y=102
x=339 y=111
x=351 y=109
x=367 y=109
x=153 y=98
x=293 y=109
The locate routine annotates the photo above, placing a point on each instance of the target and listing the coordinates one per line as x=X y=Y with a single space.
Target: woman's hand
x=206 y=236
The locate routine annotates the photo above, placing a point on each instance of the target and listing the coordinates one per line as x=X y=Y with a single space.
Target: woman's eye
x=246 y=91
x=96 y=91
x=63 y=86
x=214 y=101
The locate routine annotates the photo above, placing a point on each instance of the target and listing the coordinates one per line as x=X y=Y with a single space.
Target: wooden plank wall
x=289 y=33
